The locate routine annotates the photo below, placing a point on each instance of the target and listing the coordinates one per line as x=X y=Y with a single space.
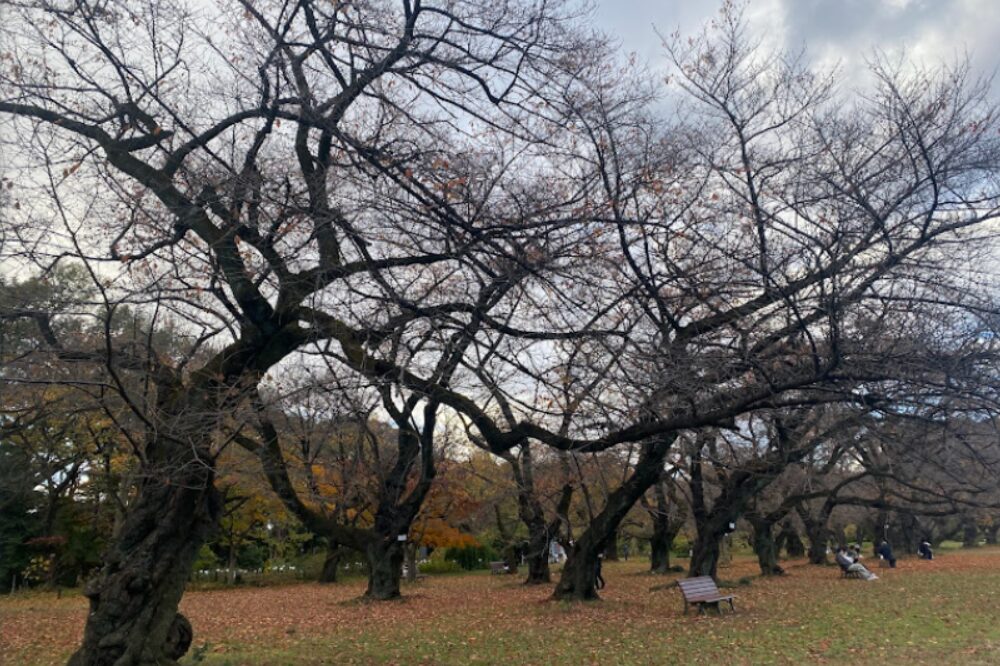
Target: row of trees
x=325 y=242
x=783 y=483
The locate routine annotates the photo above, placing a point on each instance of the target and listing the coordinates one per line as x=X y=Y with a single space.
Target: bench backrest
x=497 y=566
x=697 y=588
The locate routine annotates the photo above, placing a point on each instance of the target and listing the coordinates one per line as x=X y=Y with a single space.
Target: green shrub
x=308 y=565
x=681 y=546
x=207 y=559
x=440 y=567
x=471 y=557
x=252 y=556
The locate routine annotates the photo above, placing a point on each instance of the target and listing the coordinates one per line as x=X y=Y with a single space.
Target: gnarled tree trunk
x=331 y=563
x=706 y=549
x=970 y=533
x=764 y=545
x=665 y=529
x=580 y=573
x=611 y=550
x=398 y=506
x=411 y=562
x=788 y=538
x=133 y=618
x=532 y=514
x=817 y=530
x=538 y=555
x=385 y=568
x=510 y=554
x=400 y=499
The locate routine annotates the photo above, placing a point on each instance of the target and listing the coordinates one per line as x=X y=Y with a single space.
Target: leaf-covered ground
x=946 y=611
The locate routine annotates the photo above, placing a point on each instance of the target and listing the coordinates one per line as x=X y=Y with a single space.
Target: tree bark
x=712 y=525
x=580 y=572
x=817 y=530
x=532 y=514
x=839 y=533
x=398 y=503
x=231 y=565
x=385 y=568
x=970 y=534
x=788 y=538
x=398 y=506
x=765 y=546
x=706 y=550
x=659 y=551
x=334 y=553
x=510 y=555
x=818 y=535
x=538 y=557
x=665 y=529
x=909 y=535
x=411 y=562
x=611 y=550
x=133 y=618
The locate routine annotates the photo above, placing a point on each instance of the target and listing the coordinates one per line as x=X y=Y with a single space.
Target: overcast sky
x=832 y=30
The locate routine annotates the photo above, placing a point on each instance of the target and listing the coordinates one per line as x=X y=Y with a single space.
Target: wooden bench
x=702 y=591
x=498 y=568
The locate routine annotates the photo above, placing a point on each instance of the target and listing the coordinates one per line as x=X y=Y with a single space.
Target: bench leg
x=732 y=606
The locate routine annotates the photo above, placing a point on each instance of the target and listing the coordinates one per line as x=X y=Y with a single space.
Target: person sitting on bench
x=925 y=550
x=848 y=564
x=885 y=552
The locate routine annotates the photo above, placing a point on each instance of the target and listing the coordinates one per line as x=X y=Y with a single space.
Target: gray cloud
x=844 y=31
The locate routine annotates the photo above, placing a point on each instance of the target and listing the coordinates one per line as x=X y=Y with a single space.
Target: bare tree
x=245 y=174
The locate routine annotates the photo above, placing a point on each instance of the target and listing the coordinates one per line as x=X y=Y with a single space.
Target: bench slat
x=702 y=590
x=698 y=588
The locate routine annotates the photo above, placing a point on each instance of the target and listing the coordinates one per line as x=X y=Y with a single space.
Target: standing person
x=625 y=551
x=885 y=552
x=600 y=579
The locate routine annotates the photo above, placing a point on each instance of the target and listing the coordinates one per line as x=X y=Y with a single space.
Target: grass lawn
x=941 y=612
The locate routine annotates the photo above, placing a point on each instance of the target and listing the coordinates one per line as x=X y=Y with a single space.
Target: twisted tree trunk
x=788 y=538
x=764 y=544
x=611 y=550
x=970 y=533
x=532 y=514
x=400 y=499
x=818 y=535
x=398 y=506
x=580 y=573
x=133 y=618
x=510 y=554
x=385 y=568
x=331 y=563
x=665 y=529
